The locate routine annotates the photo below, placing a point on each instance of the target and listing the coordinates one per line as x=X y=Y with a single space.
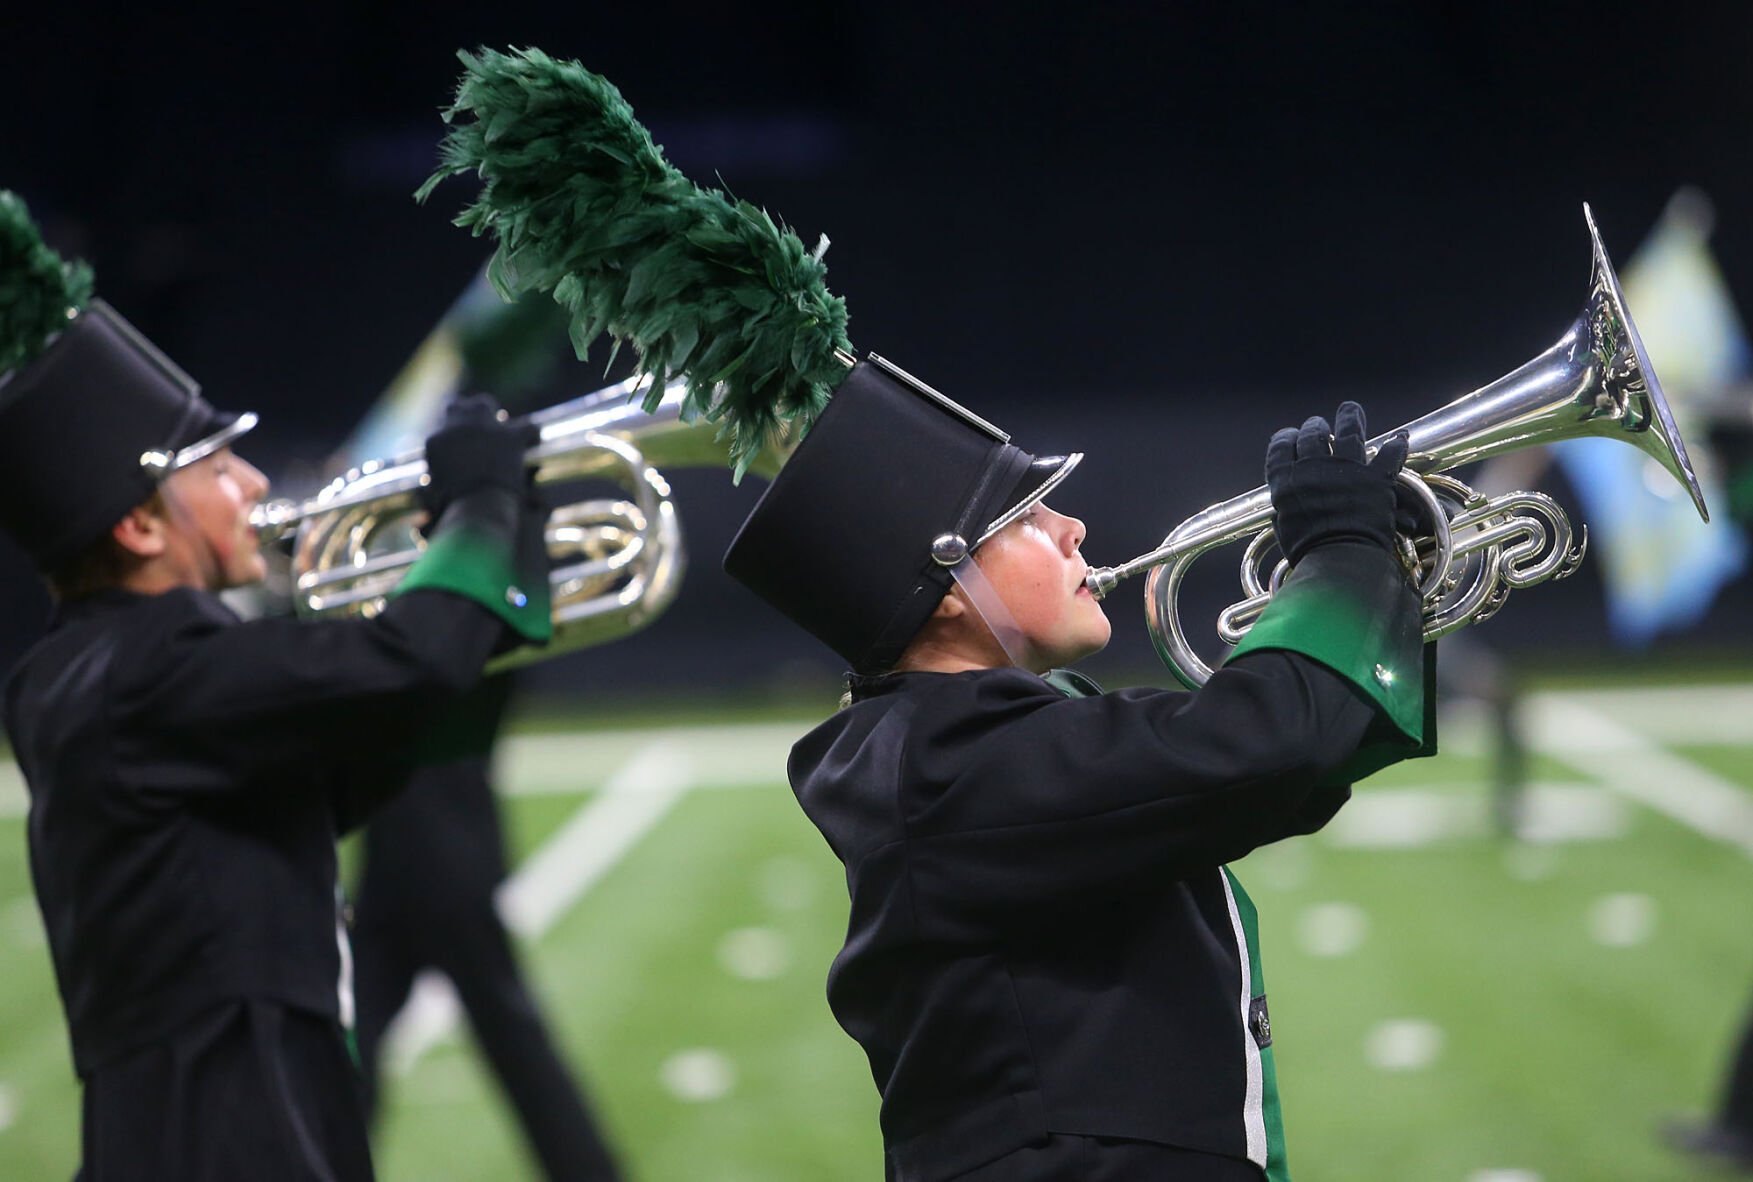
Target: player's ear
x=951 y=606
x=141 y=532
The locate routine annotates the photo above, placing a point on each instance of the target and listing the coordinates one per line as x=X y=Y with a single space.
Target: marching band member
x=188 y=771
x=1047 y=963
x=435 y=856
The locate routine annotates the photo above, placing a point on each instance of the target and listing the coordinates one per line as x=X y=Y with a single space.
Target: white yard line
x=1676 y=715
x=553 y=879
x=14 y=801
x=732 y=756
x=1419 y=815
x=1623 y=756
x=737 y=755
x=582 y=850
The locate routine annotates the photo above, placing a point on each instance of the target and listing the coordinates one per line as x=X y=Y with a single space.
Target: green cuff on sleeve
x=476 y=566
x=1347 y=606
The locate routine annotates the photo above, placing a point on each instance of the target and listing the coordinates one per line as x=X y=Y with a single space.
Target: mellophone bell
x=1596 y=380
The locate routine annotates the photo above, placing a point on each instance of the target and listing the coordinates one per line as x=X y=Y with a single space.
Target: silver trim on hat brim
x=1017 y=510
x=161 y=463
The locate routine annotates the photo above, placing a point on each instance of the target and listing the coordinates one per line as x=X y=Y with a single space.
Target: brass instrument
x=617 y=561
x=1597 y=380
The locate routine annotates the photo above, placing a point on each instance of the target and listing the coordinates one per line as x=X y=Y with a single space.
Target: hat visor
x=226 y=428
x=1041 y=477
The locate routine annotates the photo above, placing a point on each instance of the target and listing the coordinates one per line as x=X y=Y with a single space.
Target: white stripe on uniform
x=1253 y=1114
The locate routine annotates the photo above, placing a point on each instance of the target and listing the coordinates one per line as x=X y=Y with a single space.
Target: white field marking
x=1332 y=929
x=1403 y=1044
x=1622 y=757
x=445 y=1080
x=1282 y=866
x=1399 y=818
x=737 y=755
x=1700 y=715
x=8 y=1106
x=23 y=923
x=1529 y=863
x=786 y=883
x=754 y=954
x=1554 y=813
x=1623 y=920
x=551 y=880
x=698 y=1075
x=1676 y=715
x=14 y=800
x=745 y=754
x=1511 y=1174
x=732 y=756
x=1410 y=817
x=1464 y=727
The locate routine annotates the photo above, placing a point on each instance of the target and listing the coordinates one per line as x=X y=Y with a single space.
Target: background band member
x=188 y=771
x=435 y=855
x=1048 y=965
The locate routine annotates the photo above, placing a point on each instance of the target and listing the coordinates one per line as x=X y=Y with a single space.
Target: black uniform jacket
x=189 y=773
x=1041 y=938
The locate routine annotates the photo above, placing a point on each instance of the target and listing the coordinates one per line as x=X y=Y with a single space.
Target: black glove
x=475 y=448
x=1411 y=514
x=1324 y=490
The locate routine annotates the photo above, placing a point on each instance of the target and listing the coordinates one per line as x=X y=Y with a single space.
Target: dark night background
x=1154 y=232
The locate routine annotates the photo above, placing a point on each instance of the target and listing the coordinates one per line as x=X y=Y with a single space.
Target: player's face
x=209 y=542
x=1034 y=565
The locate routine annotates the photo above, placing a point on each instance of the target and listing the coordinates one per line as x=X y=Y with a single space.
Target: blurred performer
x=1472 y=668
x=188 y=771
x=1051 y=970
x=435 y=856
x=1730 y=432
x=1727 y=1137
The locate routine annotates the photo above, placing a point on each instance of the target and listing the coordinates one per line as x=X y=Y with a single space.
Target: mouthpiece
x=1102 y=580
x=272 y=519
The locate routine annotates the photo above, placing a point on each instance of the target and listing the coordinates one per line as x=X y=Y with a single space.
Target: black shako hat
x=88 y=429
x=894 y=485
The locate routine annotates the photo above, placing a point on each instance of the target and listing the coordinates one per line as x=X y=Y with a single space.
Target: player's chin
x=1091 y=636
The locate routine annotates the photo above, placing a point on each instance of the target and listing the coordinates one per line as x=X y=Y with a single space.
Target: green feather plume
x=585 y=207
x=39 y=293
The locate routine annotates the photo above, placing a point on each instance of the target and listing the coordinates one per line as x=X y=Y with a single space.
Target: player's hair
x=101 y=566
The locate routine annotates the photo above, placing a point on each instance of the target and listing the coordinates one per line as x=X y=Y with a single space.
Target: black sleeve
x=1021 y=798
x=246 y=698
x=461 y=729
x=367 y=779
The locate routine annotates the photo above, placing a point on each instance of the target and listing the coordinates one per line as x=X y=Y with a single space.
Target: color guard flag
x=1660 y=565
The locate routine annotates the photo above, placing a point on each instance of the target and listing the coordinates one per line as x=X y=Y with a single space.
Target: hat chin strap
x=989 y=606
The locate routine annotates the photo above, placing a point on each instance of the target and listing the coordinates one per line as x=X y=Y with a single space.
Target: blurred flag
x=511 y=351
x=1662 y=566
x=481 y=343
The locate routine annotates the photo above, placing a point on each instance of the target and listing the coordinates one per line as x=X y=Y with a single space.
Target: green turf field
x=1448 y=1004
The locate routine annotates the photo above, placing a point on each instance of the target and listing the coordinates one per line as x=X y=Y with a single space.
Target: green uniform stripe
x=1277 y=1165
x=1075 y=685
